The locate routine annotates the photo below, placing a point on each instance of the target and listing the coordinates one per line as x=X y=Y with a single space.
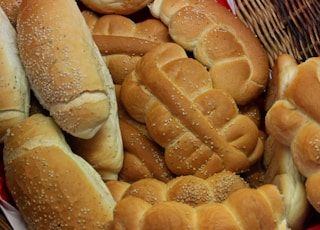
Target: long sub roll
x=53 y=187
x=64 y=66
x=14 y=87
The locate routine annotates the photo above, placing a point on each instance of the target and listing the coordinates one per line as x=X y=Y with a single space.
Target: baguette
x=293 y=118
x=199 y=126
x=14 y=86
x=65 y=69
x=53 y=187
x=191 y=190
x=236 y=59
x=246 y=208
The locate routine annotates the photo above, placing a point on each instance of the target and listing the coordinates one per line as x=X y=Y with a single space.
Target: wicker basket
x=4 y=224
x=284 y=26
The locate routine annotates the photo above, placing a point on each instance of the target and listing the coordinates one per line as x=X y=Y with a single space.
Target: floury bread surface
x=53 y=187
x=14 y=86
x=64 y=66
x=199 y=126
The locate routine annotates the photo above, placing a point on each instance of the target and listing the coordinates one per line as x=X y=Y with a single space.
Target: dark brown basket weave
x=284 y=26
x=4 y=224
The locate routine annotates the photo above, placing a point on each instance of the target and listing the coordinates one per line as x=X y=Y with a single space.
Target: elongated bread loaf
x=14 y=86
x=281 y=171
x=246 y=208
x=190 y=189
x=53 y=187
x=64 y=66
x=199 y=126
x=237 y=61
x=293 y=117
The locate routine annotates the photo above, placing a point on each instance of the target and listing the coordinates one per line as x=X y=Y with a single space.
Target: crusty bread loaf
x=122 y=42
x=190 y=189
x=237 y=61
x=246 y=208
x=293 y=118
x=53 y=187
x=64 y=66
x=10 y=8
x=199 y=126
x=143 y=158
x=281 y=171
x=122 y=7
x=14 y=86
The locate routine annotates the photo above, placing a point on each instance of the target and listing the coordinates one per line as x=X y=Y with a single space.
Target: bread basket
x=288 y=26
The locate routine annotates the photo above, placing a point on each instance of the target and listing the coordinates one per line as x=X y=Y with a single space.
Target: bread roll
x=53 y=187
x=122 y=41
x=237 y=61
x=115 y=6
x=246 y=208
x=199 y=126
x=293 y=118
x=64 y=66
x=14 y=86
x=10 y=8
x=143 y=158
x=191 y=190
x=281 y=171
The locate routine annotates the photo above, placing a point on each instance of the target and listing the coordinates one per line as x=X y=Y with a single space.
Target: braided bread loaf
x=293 y=117
x=122 y=42
x=246 y=208
x=199 y=126
x=191 y=190
x=143 y=158
x=237 y=61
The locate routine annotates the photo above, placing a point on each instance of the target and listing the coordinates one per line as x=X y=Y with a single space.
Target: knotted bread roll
x=199 y=126
x=190 y=189
x=237 y=61
x=246 y=208
x=293 y=117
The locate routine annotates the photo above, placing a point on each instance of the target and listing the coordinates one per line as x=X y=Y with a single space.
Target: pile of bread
x=147 y=115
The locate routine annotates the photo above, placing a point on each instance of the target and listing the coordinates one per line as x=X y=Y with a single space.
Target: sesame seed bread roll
x=200 y=127
x=52 y=187
x=64 y=66
x=191 y=190
x=246 y=208
x=14 y=86
x=11 y=7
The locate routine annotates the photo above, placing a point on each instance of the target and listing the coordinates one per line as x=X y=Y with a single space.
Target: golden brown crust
x=244 y=209
x=199 y=126
x=122 y=7
x=237 y=61
x=11 y=7
x=51 y=186
x=72 y=81
x=190 y=190
x=14 y=86
x=122 y=41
